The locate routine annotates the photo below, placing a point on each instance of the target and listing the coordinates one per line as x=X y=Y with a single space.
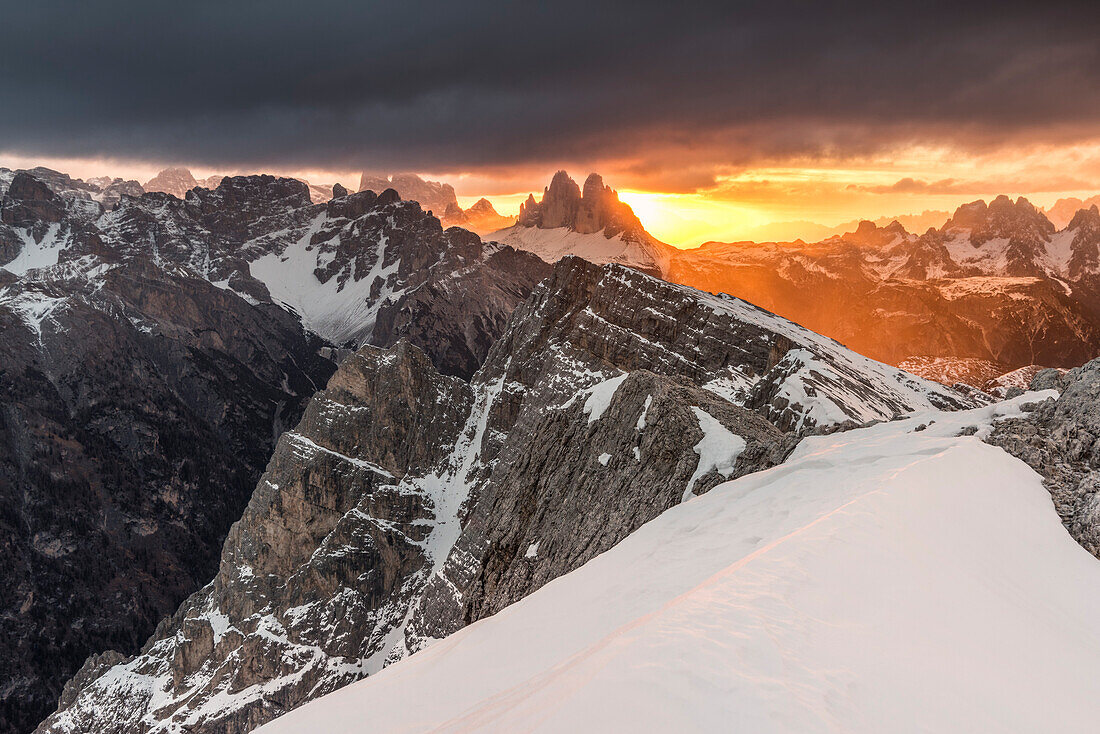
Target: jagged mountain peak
x=1000 y=218
x=252 y=191
x=482 y=206
x=29 y=199
x=869 y=234
x=1086 y=217
x=591 y=222
x=593 y=208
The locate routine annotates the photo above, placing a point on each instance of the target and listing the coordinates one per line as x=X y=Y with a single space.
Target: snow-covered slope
x=894 y=578
x=554 y=244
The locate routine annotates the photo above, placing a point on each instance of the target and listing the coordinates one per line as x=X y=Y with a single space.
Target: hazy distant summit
x=1064 y=210
x=482 y=217
x=178 y=181
x=432 y=196
x=440 y=199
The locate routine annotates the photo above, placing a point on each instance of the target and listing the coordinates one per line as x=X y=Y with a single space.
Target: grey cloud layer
x=436 y=86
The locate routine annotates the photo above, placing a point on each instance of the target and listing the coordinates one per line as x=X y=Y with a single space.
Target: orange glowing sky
x=804 y=193
x=781 y=199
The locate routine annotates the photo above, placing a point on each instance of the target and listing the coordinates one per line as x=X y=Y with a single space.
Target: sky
x=712 y=119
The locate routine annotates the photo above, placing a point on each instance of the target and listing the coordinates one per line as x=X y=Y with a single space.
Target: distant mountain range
x=994 y=288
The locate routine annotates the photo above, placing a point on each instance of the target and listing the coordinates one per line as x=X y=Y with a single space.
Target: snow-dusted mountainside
x=885 y=579
x=147 y=375
x=481 y=217
x=591 y=223
x=360 y=268
x=140 y=404
x=995 y=285
x=553 y=244
x=408 y=504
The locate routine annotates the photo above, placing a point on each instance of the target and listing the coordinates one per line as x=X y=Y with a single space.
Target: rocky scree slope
x=1060 y=439
x=408 y=504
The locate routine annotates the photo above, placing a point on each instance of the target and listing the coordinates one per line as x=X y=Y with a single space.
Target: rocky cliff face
x=591 y=223
x=407 y=504
x=139 y=406
x=152 y=355
x=1060 y=439
x=596 y=208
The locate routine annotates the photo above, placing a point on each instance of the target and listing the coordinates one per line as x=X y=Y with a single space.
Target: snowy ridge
x=785 y=601
x=818 y=381
x=553 y=244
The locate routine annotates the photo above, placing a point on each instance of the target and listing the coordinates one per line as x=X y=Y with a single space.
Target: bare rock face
x=596 y=208
x=1060 y=439
x=357 y=269
x=591 y=223
x=139 y=407
x=407 y=504
x=29 y=200
x=321 y=558
x=574 y=487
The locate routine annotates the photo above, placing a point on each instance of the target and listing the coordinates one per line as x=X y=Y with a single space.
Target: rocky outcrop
x=596 y=208
x=407 y=504
x=1060 y=439
x=592 y=224
x=457 y=313
x=28 y=200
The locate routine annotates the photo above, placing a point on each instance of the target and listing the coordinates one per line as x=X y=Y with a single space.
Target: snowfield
x=896 y=578
x=554 y=244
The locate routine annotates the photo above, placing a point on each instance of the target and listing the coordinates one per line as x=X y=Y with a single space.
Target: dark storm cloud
x=676 y=88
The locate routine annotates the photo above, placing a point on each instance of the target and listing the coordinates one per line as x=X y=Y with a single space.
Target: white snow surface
x=600 y=395
x=337 y=312
x=883 y=579
x=553 y=244
x=718 y=450
x=34 y=254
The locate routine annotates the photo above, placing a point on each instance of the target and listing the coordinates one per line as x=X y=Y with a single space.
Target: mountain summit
x=591 y=223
